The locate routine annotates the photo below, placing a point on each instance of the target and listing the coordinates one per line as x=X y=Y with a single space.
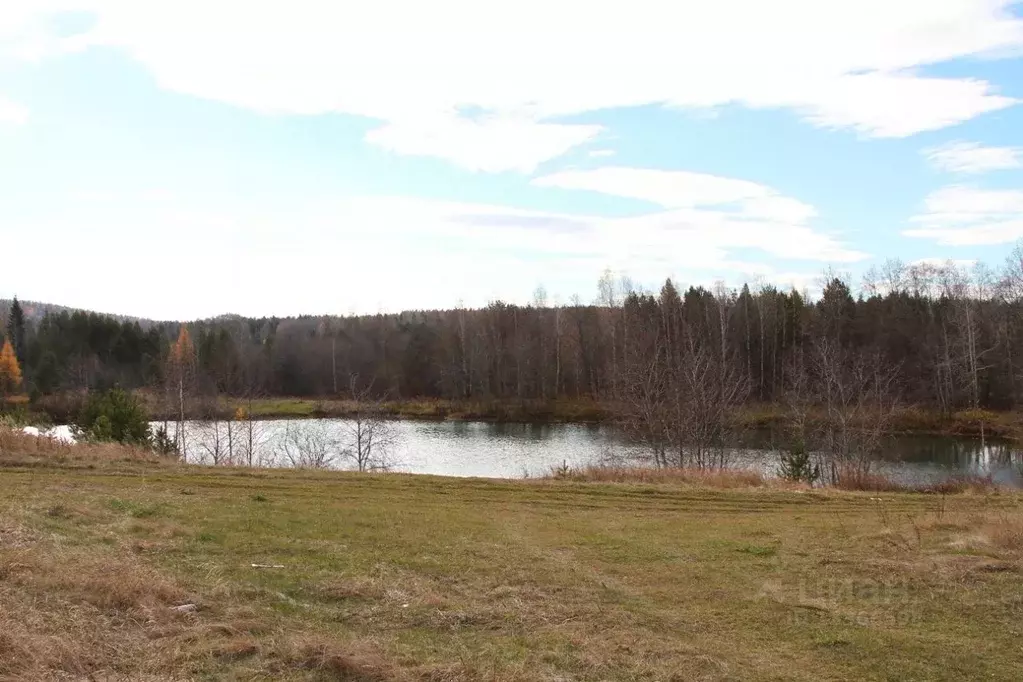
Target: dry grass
x=83 y=613
x=19 y=449
x=324 y=655
x=977 y=485
x=878 y=483
x=104 y=614
x=711 y=478
x=419 y=579
x=1003 y=531
x=906 y=420
x=973 y=533
x=527 y=411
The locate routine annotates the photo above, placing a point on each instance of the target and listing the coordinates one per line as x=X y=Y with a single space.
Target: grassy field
x=531 y=411
x=63 y=407
x=396 y=577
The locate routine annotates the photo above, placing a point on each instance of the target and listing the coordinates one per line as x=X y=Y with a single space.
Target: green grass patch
x=399 y=577
x=137 y=510
x=758 y=550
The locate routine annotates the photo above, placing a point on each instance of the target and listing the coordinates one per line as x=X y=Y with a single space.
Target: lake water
x=517 y=450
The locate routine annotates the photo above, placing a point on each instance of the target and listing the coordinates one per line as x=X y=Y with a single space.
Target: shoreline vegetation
x=910 y=420
x=26 y=450
x=687 y=375
x=361 y=438
x=937 y=336
x=155 y=569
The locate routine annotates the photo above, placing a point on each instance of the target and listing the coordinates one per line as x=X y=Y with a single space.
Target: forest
x=940 y=336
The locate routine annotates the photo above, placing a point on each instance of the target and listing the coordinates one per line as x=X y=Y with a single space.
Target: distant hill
x=37 y=310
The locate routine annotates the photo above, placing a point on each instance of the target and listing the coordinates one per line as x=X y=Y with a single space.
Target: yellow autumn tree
x=180 y=377
x=182 y=352
x=10 y=370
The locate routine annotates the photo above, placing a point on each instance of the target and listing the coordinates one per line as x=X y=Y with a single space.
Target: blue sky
x=187 y=159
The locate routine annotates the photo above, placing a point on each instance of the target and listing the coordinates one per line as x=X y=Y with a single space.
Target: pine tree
x=16 y=329
x=10 y=370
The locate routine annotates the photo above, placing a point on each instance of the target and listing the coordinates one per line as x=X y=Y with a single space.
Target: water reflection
x=516 y=450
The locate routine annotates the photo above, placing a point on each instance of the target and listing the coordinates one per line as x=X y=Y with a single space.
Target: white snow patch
x=61 y=434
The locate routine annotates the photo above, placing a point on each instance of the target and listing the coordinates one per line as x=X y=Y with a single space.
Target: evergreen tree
x=16 y=329
x=113 y=416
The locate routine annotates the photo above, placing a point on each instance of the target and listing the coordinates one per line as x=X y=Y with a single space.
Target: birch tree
x=181 y=374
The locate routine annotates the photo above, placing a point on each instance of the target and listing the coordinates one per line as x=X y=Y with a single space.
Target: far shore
x=910 y=420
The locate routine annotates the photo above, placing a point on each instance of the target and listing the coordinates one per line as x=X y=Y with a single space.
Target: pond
x=452 y=448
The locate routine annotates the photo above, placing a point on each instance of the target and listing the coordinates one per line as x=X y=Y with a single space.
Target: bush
x=62 y=408
x=113 y=416
x=15 y=416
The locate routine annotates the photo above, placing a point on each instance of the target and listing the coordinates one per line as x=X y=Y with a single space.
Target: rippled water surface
x=517 y=450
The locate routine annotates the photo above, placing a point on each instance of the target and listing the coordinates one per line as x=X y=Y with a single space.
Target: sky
x=185 y=159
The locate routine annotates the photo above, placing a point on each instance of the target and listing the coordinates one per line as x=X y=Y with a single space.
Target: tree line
x=952 y=334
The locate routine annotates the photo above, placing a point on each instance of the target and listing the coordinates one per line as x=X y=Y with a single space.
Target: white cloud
x=896 y=104
x=601 y=153
x=708 y=211
x=843 y=65
x=973 y=158
x=959 y=216
x=671 y=189
x=491 y=145
x=12 y=112
x=341 y=249
x=685 y=189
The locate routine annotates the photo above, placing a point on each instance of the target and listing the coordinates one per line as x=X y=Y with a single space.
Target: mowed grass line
x=426 y=578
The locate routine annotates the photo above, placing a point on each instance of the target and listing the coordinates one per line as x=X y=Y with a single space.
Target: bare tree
x=367 y=438
x=214 y=442
x=1010 y=291
x=680 y=400
x=799 y=401
x=643 y=412
x=893 y=276
x=858 y=393
x=705 y=393
x=309 y=445
x=540 y=310
x=607 y=298
x=180 y=384
x=558 y=333
x=253 y=440
x=967 y=295
x=249 y=439
x=363 y=441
